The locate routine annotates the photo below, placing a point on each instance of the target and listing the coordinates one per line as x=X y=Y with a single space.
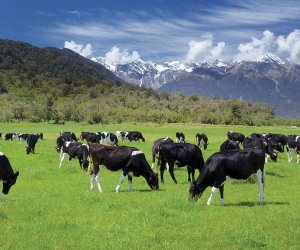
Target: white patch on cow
x=130 y=174
x=165 y=138
x=122 y=177
x=136 y=153
x=68 y=144
x=98 y=182
x=213 y=190
x=92 y=182
x=260 y=183
x=62 y=159
x=1 y=154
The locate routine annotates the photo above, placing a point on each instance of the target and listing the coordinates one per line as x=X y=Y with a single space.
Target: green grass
x=52 y=208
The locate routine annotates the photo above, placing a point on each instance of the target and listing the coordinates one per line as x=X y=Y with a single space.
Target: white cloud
x=204 y=50
x=118 y=56
x=290 y=45
x=257 y=47
x=85 y=51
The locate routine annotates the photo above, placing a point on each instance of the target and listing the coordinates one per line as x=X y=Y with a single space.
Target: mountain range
x=268 y=79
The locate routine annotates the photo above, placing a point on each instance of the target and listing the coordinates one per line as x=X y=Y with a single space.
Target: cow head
x=59 y=143
x=153 y=181
x=195 y=191
x=7 y=184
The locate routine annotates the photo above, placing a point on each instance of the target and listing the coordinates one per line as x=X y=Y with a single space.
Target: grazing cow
x=156 y=146
x=134 y=136
x=68 y=136
x=121 y=134
x=31 y=142
x=132 y=162
x=23 y=137
x=279 y=140
x=235 y=136
x=109 y=138
x=261 y=143
x=184 y=154
x=180 y=137
x=223 y=166
x=229 y=145
x=201 y=139
x=7 y=175
x=73 y=149
x=10 y=136
x=293 y=144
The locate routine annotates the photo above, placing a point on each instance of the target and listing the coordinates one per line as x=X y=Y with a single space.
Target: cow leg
x=171 y=171
x=298 y=158
x=221 y=189
x=213 y=190
x=0 y=198
x=92 y=181
x=289 y=153
x=62 y=158
x=260 y=183
x=189 y=174
x=153 y=161
x=122 y=177
x=130 y=183
x=98 y=181
x=162 y=169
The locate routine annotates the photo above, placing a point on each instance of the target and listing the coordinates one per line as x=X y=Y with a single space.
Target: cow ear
x=16 y=174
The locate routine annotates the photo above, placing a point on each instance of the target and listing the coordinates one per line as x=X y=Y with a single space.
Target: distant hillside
x=51 y=62
x=58 y=84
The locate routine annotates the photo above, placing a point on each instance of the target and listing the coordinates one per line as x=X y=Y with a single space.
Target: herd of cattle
x=102 y=148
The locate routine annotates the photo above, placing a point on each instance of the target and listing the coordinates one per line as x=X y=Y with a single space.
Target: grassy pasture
x=52 y=208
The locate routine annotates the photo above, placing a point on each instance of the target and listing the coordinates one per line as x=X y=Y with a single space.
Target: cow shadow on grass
x=274 y=174
x=255 y=204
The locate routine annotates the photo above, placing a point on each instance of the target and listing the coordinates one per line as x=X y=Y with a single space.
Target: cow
x=183 y=154
x=201 y=139
x=131 y=160
x=73 y=149
x=223 y=166
x=121 y=134
x=7 y=175
x=229 y=145
x=134 y=136
x=279 y=140
x=261 y=143
x=109 y=138
x=10 y=136
x=180 y=137
x=293 y=144
x=32 y=139
x=90 y=137
x=68 y=136
x=235 y=136
x=156 y=146
x=22 y=137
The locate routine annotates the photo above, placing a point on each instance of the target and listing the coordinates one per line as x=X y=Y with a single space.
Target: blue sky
x=157 y=30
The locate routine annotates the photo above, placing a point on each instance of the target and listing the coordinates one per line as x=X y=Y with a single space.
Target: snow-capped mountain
x=268 y=79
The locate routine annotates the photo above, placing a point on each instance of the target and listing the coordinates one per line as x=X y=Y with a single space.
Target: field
x=53 y=208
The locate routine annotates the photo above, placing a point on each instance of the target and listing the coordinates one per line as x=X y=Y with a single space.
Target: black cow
x=235 y=136
x=180 y=137
x=73 y=149
x=23 y=137
x=90 y=137
x=68 y=136
x=201 y=139
x=261 y=143
x=156 y=146
x=223 y=166
x=134 y=136
x=229 y=145
x=10 y=136
x=293 y=144
x=7 y=175
x=31 y=142
x=132 y=162
x=279 y=140
x=184 y=154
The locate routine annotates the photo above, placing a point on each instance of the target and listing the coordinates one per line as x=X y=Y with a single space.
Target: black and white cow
x=183 y=154
x=23 y=137
x=235 y=136
x=73 y=150
x=130 y=160
x=134 y=136
x=293 y=144
x=229 y=145
x=121 y=134
x=10 y=136
x=156 y=146
x=201 y=139
x=180 y=137
x=223 y=166
x=109 y=138
x=32 y=139
x=7 y=175
x=261 y=143
x=278 y=141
